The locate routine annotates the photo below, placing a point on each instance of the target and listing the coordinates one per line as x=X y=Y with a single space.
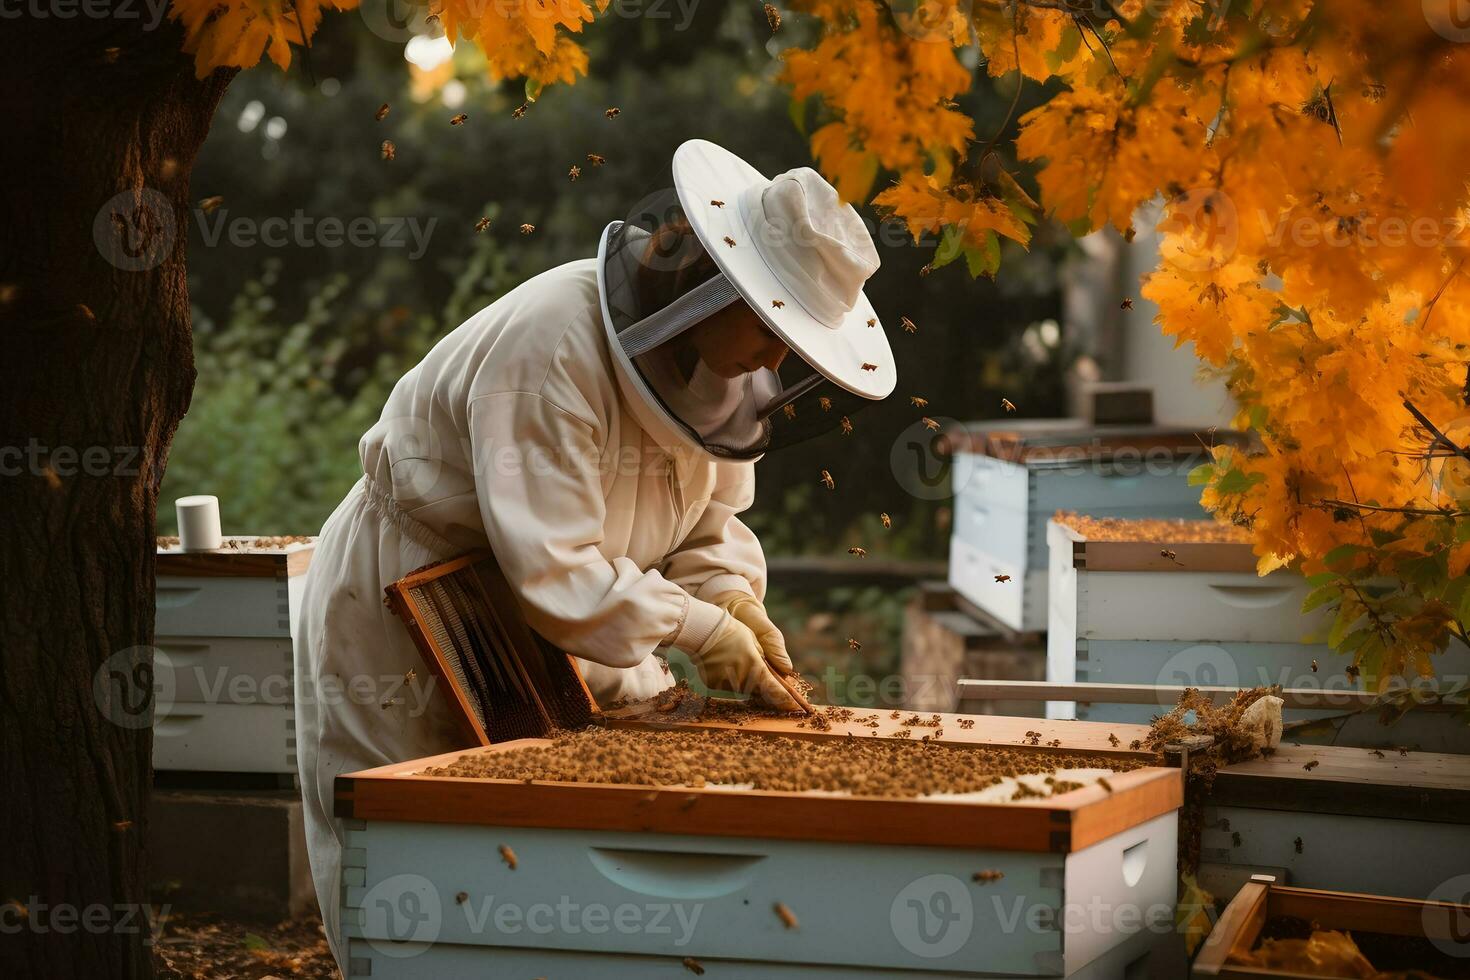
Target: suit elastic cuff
x=722 y=583
x=699 y=624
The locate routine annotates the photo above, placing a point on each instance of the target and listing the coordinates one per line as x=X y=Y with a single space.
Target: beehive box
x=1392 y=934
x=1348 y=819
x=1009 y=477
x=943 y=643
x=917 y=886
x=223 y=678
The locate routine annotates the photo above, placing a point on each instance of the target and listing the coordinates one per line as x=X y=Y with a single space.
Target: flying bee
x=1352 y=671
x=612 y=112
x=690 y=963
x=1298 y=844
x=887 y=521
x=790 y=410
x=574 y=172
x=918 y=402
x=777 y=304
x=773 y=17
x=930 y=424
x=986 y=877
x=853 y=643
x=1002 y=578
x=825 y=402
x=908 y=325
x=729 y=241
x=1007 y=404
x=388 y=150
x=211 y=204
x=717 y=204
x=827 y=481
x=872 y=321
x=1314 y=665
x=1378 y=753
x=482 y=224
x=846 y=426
x=408 y=677
x=1127 y=303
x=508 y=856
x=925 y=269
x=1235 y=838
x=519 y=110
x=1311 y=765
x=857 y=552
x=526 y=229
x=382 y=112
x=596 y=160
x=1105 y=784
x=458 y=120
x=782 y=912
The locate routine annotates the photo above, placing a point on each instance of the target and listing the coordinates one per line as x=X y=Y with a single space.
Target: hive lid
x=249 y=556
x=1063 y=442
x=1116 y=544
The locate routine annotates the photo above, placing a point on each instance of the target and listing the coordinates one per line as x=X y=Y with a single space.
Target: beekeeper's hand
x=749 y=610
x=731 y=660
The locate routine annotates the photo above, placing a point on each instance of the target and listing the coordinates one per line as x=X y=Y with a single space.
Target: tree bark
x=102 y=120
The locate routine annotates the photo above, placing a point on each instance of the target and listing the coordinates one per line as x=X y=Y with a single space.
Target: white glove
x=731 y=660
x=750 y=611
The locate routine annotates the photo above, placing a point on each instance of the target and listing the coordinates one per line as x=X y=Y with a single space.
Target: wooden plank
x=1163 y=695
x=1234 y=932
x=1148 y=556
x=1427 y=786
x=1051 y=441
x=1058 y=824
x=243 y=562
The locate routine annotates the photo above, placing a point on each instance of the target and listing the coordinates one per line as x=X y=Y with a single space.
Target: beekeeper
x=596 y=427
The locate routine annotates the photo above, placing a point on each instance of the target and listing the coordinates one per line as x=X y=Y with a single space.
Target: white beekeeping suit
x=556 y=427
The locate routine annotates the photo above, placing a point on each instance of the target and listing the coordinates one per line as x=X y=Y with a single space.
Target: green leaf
x=1067 y=50
x=252 y=941
x=1202 y=474
x=796 y=109
x=1237 y=481
x=1321 y=596
x=1258 y=417
x=983 y=259
x=950 y=247
x=1348 y=613
x=1321 y=579
x=1341 y=552
x=533 y=89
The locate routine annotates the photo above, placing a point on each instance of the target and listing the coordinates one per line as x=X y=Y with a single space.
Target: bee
x=461 y=898
x=885 y=519
x=382 y=112
x=390 y=702
x=1033 y=738
x=508 y=856
x=1224 y=823
x=907 y=324
x=612 y=112
x=408 y=677
x=1105 y=784
x=1298 y=843
x=1403 y=751
x=1113 y=740
x=482 y=224
x=789 y=410
x=1127 y=303
x=519 y=110
x=846 y=426
x=729 y=241
x=458 y=120
x=574 y=172
x=895 y=715
x=717 y=204
x=986 y=877
x=825 y=402
x=1002 y=578
x=872 y=321
x=857 y=552
x=773 y=17
x=1378 y=753
x=109 y=55
x=827 y=481
x=1166 y=553
x=596 y=160
x=1352 y=671
x=777 y=304
x=1235 y=838
x=1311 y=765
x=1055 y=743
x=1007 y=404
x=210 y=204
x=918 y=402
x=1314 y=665
x=1136 y=744
x=782 y=912
x=690 y=963
x=526 y=229
x=930 y=424
x=853 y=644
x=903 y=733
x=388 y=150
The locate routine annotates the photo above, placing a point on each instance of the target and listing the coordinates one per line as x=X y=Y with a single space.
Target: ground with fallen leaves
x=205 y=947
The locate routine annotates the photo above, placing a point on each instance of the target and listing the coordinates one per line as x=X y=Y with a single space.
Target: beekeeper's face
x=734 y=341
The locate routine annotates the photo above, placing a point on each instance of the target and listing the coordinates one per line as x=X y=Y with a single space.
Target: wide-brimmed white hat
x=797 y=255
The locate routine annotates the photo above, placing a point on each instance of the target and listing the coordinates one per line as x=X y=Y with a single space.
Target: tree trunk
x=103 y=118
